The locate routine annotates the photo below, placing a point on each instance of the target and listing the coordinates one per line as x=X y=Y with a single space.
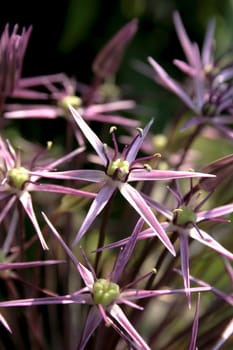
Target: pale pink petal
x=92 y=322
x=139 y=204
x=96 y=207
x=25 y=199
x=151 y=175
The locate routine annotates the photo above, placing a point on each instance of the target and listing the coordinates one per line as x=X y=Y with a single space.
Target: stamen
x=114 y=140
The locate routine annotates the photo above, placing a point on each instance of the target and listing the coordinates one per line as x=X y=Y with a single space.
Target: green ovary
x=18 y=176
x=185 y=215
x=105 y=292
x=121 y=165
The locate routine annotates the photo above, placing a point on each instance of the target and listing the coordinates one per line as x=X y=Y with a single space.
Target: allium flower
x=12 y=51
x=212 y=91
x=120 y=169
x=185 y=220
x=104 y=295
x=61 y=91
x=17 y=183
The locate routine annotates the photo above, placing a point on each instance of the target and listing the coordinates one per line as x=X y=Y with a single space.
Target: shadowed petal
x=126 y=252
x=186 y=44
x=184 y=255
x=121 y=318
x=92 y=322
x=192 y=345
x=139 y=204
x=65 y=299
x=7 y=207
x=228 y=331
x=109 y=58
x=96 y=207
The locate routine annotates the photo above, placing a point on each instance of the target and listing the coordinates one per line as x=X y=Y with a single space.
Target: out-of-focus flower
x=16 y=183
x=120 y=169
x=60 y=92
x=211 y=95
x=109 y=58
x=104 y=295
x=12 y=51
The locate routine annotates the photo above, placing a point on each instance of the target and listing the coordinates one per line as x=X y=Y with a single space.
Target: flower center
x=118 y=169
x=74 y=101
x=184 y=215
x=105 y=292
x=18 y=176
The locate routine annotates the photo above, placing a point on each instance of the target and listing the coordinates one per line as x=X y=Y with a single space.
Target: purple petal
x=192 y=345
x=26 y=201
x=184 y=255
x=90 y=135
x=148 y=233
x=126 y=253
x=107 y=61
x=134 y=294
x=172 y=85
x=151 y=175
x=21 y=265
x=139 y=204
x=228 y=298
x=183 y=37
x=85 y=175
x=121 y=318
x=60 y=189
x=207 y=50
x=135 y=147
x=92 y=322
x=96 y=207
x=215 y=212
x=204 y=238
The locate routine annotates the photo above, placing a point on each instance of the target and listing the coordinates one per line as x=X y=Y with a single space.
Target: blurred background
x=67 y=35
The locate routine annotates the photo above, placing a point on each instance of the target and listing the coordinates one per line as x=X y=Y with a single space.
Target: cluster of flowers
x=165 y=201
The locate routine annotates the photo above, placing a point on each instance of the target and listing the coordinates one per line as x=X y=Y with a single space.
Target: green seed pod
x=185 y=215
x=105 y=292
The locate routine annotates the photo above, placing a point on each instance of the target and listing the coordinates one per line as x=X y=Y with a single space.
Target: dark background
x=68 y=34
